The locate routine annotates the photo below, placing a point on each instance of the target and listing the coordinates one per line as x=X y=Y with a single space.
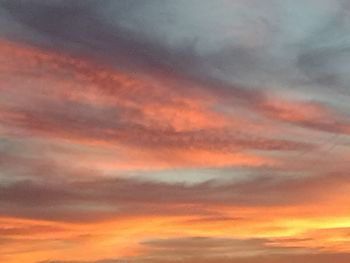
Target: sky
x=184 y=131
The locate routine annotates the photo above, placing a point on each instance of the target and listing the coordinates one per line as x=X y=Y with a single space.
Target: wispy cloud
x=174 y=131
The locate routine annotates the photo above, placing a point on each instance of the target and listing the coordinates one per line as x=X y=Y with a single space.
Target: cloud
x=205 y=249
x=213 y=247
x=312 y=258
x=114 y=114
x=310 y=115
x=98 y=199
x=199 y=40
x=325 y=53
x=87 y=103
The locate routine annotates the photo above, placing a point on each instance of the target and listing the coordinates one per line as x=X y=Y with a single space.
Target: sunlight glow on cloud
x=174 y=131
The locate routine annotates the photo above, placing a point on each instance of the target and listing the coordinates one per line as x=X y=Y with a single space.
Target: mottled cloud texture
x=180 y=131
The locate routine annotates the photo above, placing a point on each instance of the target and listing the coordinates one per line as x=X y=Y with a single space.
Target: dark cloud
x=82 y=28
x=213 y=247
x=323 y=66
x=325 y=54
x=222 y=250
x=102 y=198
x=286 y=258
x=28 y=230
x=110 y=32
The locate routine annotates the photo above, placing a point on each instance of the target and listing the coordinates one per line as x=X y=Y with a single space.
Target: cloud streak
x=162 y=131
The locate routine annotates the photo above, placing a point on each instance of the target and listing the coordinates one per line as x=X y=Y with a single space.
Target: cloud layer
x=174 y=131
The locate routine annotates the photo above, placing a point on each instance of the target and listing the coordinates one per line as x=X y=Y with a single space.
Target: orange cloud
x=69 y=122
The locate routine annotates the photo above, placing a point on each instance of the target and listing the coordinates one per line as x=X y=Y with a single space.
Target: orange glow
x=106 y=162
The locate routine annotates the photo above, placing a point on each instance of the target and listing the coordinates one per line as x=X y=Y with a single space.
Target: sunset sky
x=174 y=131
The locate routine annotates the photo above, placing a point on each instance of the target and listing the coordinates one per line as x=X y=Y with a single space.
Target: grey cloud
x=97 y=199
x=222 y=250
x=106 y=32
x=325 y=54
x=213 y=247
x=81 y=27
x=163 y=37
x=285 y=258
